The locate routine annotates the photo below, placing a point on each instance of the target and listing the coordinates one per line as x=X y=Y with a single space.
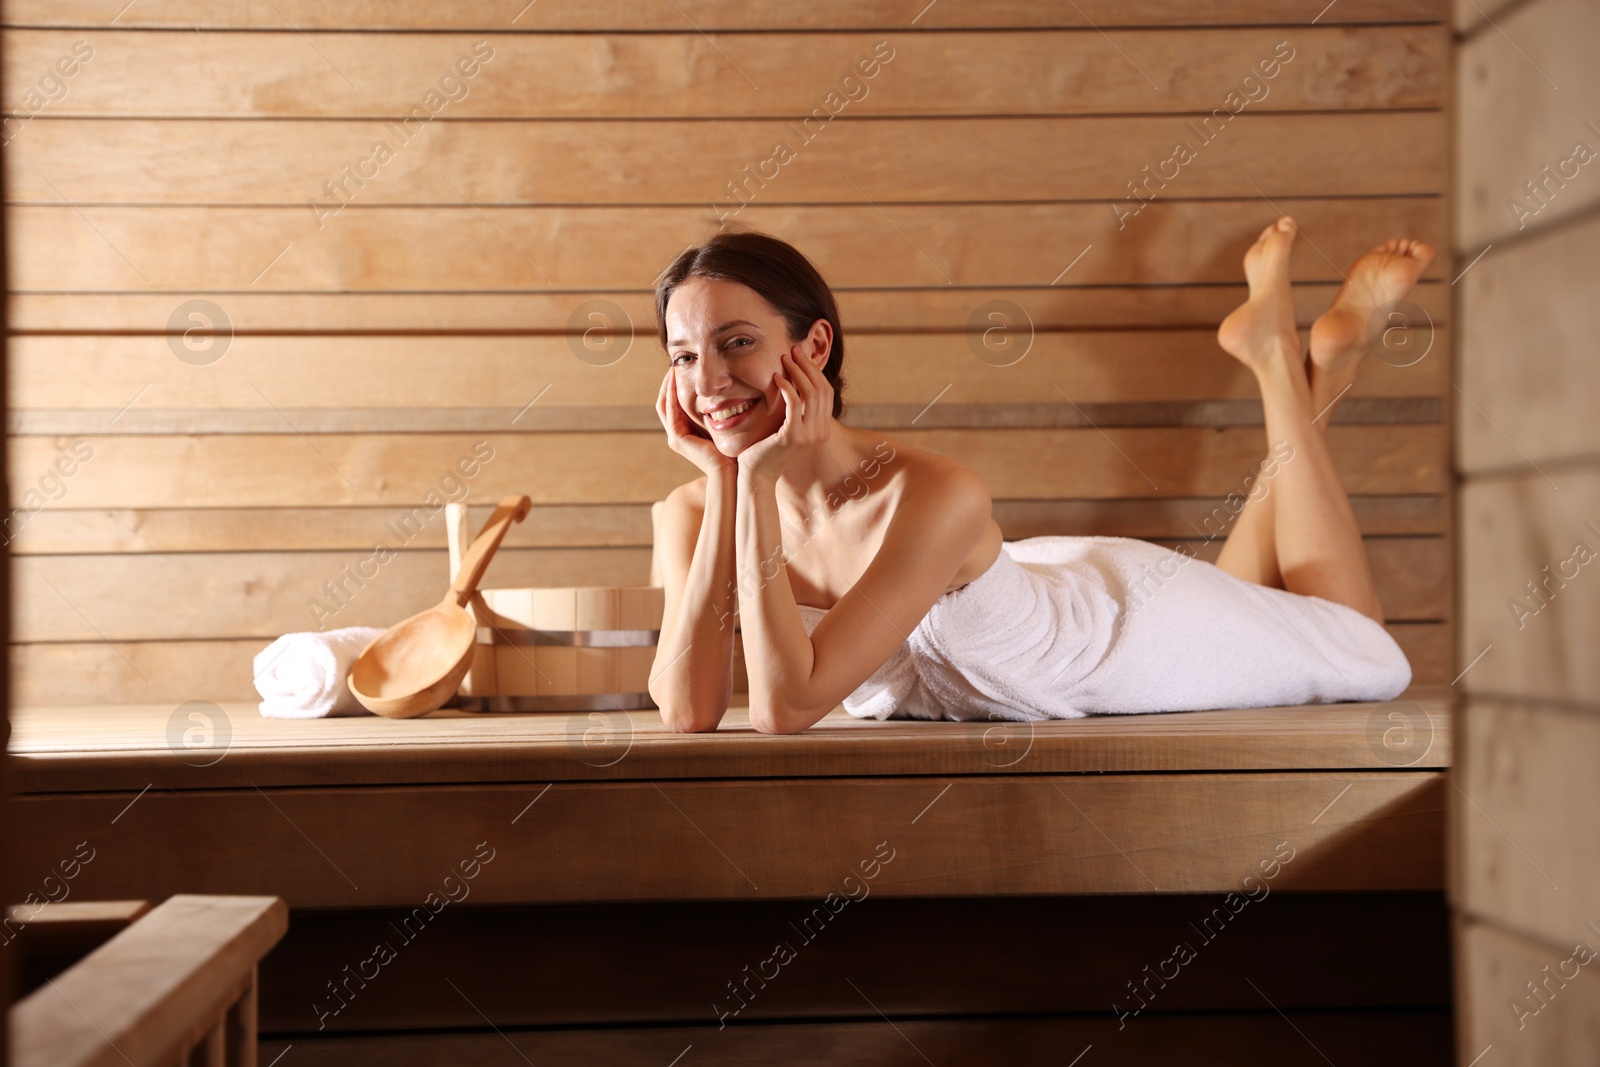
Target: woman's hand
x=807 y=420
x=687 y=439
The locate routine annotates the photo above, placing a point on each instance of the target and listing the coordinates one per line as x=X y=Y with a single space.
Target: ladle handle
x=476 y=561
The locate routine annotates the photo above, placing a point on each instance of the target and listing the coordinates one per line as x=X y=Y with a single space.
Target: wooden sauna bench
x=366 y=811
x=631 y=881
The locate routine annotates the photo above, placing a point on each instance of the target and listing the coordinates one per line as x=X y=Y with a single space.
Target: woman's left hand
x=807 y=420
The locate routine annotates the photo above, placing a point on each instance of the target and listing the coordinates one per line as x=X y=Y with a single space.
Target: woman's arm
x=796 y=679
x=691 y=680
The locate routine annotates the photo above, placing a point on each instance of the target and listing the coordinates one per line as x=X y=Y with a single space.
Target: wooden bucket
x=575 y=648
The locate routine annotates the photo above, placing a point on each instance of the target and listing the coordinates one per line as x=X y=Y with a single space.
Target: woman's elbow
x=686 y=719
x=776 y=719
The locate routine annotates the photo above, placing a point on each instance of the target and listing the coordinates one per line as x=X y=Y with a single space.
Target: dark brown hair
x=776 y=270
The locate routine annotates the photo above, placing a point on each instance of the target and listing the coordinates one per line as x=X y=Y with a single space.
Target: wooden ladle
x=413 y=667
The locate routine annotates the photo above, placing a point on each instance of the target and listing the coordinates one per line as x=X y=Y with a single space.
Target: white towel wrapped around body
x=302 y=675
x=1063 y=627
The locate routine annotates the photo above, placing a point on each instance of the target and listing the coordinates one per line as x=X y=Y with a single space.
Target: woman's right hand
x=687 y=439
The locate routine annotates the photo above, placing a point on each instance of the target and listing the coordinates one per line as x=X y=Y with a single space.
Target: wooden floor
x=595 y=886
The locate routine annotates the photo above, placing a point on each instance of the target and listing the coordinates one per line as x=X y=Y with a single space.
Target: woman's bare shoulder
x=675 y=529
x=923 y=474
x=939 y=491
x=690 y=495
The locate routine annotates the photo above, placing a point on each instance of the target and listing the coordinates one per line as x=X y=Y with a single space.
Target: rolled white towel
x=302 y=675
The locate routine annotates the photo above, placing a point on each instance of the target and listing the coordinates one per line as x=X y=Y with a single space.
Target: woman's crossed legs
x=1308 y=542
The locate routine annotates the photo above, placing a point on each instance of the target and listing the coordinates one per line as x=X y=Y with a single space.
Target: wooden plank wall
x=1525 y=877
x=257 y=341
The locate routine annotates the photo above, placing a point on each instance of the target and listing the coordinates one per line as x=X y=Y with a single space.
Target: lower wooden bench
x=499 y=847
x=176 y=984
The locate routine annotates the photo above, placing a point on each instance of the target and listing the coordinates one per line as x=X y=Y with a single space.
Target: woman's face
x=725 y=344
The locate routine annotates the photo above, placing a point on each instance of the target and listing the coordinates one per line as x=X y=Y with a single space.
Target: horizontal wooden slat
x=1524 y=379
x=168 y=671
x=329 y=374
x=281 y=15
x=129 y=672
x=1429 y=648
x=1061 y=307
x=302 y=529
x=1520 y=761
x=264 y=594
x=1377 y=516
x=594 y=468
x=71 y=422
x=55 y=531
x=1519 y=532
x=1525 y=102
x=1551 y=1023
x=765 y=838
x=525 y=249
x=1378 y=1039
x=1033 y=72
x=1417 y=573
x=68 y=749
x=671 y=161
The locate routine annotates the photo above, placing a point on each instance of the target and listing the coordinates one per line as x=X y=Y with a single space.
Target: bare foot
x=1339 y=336
x=1261 y=331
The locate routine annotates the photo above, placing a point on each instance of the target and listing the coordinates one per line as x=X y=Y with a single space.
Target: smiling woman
x=906 y=601
x=751 y=329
